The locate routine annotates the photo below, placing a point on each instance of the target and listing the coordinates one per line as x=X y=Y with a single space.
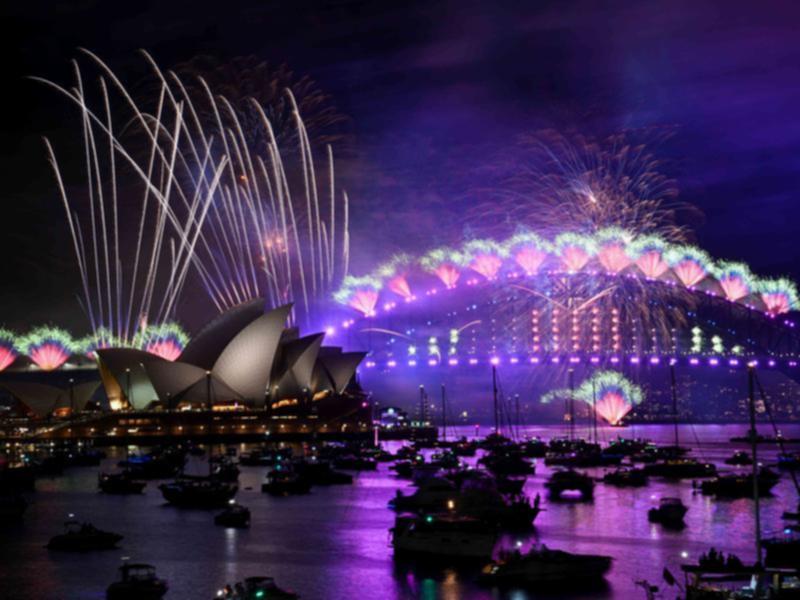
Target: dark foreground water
x=334 y=542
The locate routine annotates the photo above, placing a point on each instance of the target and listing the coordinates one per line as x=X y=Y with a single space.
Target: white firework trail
x=207 y=201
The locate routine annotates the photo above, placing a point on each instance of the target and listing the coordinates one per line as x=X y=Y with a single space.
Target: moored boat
x=137 y=582
x=542 y=566
x=255 y=588
x=442 y=536
x=83 y=537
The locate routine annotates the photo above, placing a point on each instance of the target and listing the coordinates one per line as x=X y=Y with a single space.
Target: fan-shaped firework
x=612 y=249
x=648 y=253
x=48 y=347
x=575 y=250
x=529 y=251
x=485 y=257
x=361 y=293
x=98 y=340
x=166 y=340
x=445 y=263
x=735 y=279
x=779 y=295
x=690 y=265
x=8 y=348
x=611 y=394
x=206 y=199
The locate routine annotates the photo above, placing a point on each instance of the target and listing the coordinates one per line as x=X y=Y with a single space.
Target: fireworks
x=779 y=295
x=486 y=257
x=8 y=348
x=48 y=347
x=529 y=251
x=583 y=185
x=99 y=339
x=690 y=265
x=575 y=250
x=444 y=263
x=167 y=340
x=615 y=251
x=612 y=395
x=208 y=199
x=649 y=253
x=735 y=279
x=612 y=251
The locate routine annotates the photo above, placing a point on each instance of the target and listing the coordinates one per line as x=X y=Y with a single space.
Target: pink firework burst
x=448 y=274
x=734 y=286
x=7 y=356
x=49 y=355
x=574 y=258
x=530 y=259
x=487 y=265
x=652 y=264
x=399 y=285
x=613 y=257
x=613 y=406
x=364 y=301
x=690 y=272
x=776 y=303
x=167 y=349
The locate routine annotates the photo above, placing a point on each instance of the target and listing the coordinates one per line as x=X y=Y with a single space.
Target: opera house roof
x=246 y=355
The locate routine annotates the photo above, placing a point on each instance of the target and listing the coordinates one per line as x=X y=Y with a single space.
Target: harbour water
x=334 y=543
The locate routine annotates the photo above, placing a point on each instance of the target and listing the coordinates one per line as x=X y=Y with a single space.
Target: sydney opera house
x=245 y=360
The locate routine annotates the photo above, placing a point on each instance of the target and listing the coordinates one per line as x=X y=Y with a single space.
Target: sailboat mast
x=571 y=405
x=754 y=449
x=674 y=403
x=494 y=396
x=444 y=414
x=594 y=410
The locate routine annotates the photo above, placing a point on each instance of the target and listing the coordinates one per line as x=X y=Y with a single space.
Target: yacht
x=740 y=485
x=670 y=511
x=629 y=477
x=137 y=582
x=198 y=492
x=261 y=588
x=285 y=482
x=83 y=537
x=123 y=482
x=542 y=566
x=235 y=515
x=443 y=536
x=561 y=483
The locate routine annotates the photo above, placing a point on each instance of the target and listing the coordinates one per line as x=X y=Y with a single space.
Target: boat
x=739 y=458
x=463 y=447
x=721 y=579
x=123 y=482
x=255 y=588
x=442 y=536
x=83 y=537
x=507 y=460
x=740 y=485
x=198 y=492
x=565 y=481
x=225 y=469
x=159 y=464
x=510 y=485
x=432 y=495
x=137 y=582
x=542 y=566
x=285 y=482
x=626 y=477
x=235 y=515
x=669 y=512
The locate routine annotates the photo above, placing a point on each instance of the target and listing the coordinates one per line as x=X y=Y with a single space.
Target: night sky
x=432 y=90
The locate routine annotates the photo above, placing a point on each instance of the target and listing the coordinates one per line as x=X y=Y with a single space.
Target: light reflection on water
x=334 y=542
